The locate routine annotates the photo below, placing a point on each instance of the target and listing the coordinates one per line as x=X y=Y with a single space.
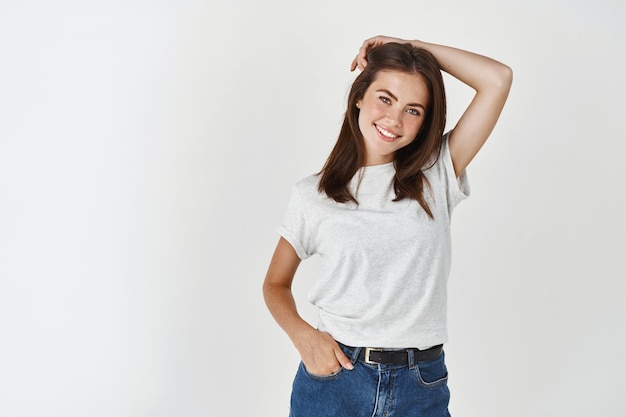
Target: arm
x=319 y=351
x=489 y=78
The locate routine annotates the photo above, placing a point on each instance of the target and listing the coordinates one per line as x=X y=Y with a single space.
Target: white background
x=147 y=151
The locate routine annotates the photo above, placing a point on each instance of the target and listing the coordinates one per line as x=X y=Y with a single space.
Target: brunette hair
x=348 y=154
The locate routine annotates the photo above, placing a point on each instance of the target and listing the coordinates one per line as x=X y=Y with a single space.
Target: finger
x=354 y=64
x=364 y=49
x=359 y=63
x=343 y=359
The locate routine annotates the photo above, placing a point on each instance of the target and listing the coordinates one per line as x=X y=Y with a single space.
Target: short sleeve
x=458 y=188
x=295 y=227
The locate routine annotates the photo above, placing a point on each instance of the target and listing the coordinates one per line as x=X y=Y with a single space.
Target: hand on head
x=360 y=60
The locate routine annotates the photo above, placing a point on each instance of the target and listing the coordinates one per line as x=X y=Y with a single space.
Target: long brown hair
x=348 y=155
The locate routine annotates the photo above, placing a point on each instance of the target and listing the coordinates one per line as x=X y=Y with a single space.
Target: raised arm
x=489 y=78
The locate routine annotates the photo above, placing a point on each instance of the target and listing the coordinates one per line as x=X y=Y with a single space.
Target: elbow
x=266 y=292
x=504 y=78
x=266 y=288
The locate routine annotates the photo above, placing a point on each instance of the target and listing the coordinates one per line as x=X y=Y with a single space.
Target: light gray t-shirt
x=385 y=264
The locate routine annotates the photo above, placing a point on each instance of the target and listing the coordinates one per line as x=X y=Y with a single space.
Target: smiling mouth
x=385 y=133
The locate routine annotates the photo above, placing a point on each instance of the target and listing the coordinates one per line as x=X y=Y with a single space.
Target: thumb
x=343 y=360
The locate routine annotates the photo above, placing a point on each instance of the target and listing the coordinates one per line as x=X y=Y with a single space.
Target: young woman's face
x=391 y=114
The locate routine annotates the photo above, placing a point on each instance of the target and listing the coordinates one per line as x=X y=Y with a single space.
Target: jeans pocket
x=316 y=377
x=432 y=374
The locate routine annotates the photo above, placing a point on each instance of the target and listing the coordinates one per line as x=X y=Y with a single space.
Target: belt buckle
x=367 y=355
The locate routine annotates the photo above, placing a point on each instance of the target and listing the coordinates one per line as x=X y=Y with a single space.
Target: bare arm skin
x=319 y=351
x=489 y=78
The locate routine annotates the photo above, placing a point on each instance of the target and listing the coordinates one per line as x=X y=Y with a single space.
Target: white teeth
x=386 y=133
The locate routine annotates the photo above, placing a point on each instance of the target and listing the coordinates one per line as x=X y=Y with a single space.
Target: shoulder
x=439 y=158
x=308 y=185
x=442 y=175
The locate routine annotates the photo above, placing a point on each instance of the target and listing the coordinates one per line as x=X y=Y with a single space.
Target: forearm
x=281 y=304
x=319 y=351
x=477 y=71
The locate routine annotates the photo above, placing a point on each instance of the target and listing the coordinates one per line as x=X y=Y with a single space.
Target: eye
x=384 y=100
x=414 y=112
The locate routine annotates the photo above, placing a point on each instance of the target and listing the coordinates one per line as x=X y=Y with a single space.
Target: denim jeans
x=370 y=390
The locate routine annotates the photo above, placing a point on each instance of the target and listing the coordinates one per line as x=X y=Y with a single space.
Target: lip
x=383 y=137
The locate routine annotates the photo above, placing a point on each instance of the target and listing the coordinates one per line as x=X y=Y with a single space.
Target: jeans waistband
x=409 y=356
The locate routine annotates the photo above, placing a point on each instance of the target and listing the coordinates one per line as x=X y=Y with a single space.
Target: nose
x=394 y=116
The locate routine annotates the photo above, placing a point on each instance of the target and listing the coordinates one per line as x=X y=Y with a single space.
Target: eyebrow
x=383 y=90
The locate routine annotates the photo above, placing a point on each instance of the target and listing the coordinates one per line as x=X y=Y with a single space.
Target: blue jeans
x=417 y=390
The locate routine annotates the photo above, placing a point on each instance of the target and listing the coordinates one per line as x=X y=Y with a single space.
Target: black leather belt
x=398 y=357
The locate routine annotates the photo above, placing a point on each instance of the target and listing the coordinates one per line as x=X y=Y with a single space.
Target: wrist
x=419 y=44
x=302 y=335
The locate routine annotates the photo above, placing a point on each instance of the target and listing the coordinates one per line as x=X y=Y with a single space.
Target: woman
x=378 y=214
